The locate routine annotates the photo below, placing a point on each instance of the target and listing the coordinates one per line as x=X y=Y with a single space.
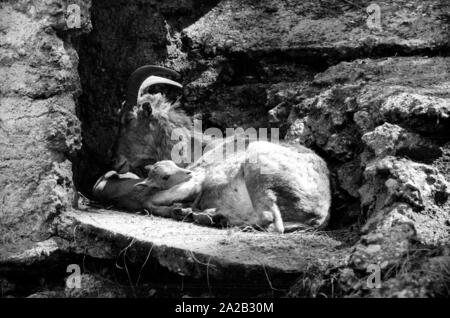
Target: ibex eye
x=165 y=178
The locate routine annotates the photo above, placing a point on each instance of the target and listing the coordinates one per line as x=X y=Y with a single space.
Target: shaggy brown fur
x=145 y=135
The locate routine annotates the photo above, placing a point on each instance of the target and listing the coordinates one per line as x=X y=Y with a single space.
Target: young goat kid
x=128 y=191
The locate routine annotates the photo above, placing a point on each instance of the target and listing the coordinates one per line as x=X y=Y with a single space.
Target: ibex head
x=146 y=121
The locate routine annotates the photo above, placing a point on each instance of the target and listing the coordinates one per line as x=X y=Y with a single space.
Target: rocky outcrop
x=92 y=286
x=392 y=180
x=39 y=130
x=331 y=29
x=390 y=140
x=357 y=97
x=384 y=125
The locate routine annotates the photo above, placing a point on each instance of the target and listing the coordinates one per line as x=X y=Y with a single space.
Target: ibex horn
x=153 y=80
x=140 y=75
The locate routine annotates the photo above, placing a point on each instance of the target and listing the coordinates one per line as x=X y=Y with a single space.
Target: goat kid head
x=164 y=175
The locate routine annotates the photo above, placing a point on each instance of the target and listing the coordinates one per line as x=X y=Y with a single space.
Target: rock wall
x=384 y=125
x=39 y=130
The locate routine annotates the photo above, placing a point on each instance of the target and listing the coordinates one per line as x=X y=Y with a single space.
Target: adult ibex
x=146 y=121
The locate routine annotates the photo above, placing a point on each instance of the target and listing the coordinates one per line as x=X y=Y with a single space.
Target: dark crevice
x=320 y=59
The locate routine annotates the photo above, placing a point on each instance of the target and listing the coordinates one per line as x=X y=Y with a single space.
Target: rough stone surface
x=373 y=108
x=361 y=95
x=93 y=286
x=417 y=184
x=30 y=253
x=398 y=191
x=385 y=125
x=39 y=130
x=374 y=103
x=424 y=274
x=389 y=139
x=196 y=251
x=336 y=27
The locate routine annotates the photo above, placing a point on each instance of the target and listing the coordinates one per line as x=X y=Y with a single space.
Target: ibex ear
x=147 y=109
x=149 y=167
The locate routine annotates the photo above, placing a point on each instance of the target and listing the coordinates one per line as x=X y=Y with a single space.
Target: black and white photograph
x=224 y=156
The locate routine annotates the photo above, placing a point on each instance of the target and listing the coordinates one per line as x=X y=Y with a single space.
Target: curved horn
x=139 y=75
x=153 y=80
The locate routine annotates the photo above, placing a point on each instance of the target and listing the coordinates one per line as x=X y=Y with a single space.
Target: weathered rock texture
x=39 y=130
x=374 y=103
x=388 y=120
x=333 y=29
x=201 y=252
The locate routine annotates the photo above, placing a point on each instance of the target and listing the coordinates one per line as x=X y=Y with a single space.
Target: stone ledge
x=196 y=251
